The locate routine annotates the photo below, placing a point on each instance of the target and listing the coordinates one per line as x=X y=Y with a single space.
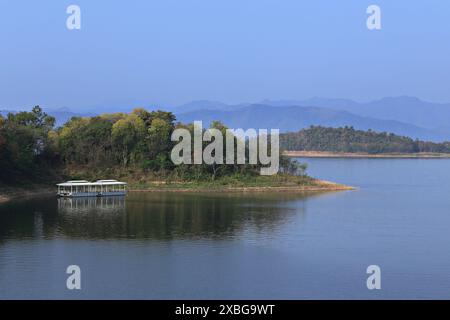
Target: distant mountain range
x=294 y=118
x=404 y=115
x=408 y=116
x=405 y=109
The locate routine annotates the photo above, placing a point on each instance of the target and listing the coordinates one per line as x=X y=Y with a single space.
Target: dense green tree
x=24 y=142
x=128 y=138
x=123 y=142
x=159 y=143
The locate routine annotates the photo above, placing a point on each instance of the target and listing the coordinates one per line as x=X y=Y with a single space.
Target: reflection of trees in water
x=195 y=215
x=50 y=217
x=150 y=216
x=24 y=219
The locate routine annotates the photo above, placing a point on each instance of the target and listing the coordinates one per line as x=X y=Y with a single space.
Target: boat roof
x=109 y=182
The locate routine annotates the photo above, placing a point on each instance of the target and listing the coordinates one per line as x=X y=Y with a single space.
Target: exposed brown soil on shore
x=325 y=154
x=319 y=185
x=4 y=198
x=13 y=193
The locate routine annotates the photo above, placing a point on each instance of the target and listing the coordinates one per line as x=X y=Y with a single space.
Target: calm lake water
x=241 y=246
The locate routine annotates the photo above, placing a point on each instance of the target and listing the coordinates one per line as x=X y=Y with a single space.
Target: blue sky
x=167 y=52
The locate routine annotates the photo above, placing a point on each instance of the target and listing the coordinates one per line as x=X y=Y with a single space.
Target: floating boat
x=83 y=188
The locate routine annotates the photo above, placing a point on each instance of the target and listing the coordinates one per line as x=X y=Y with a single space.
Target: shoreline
x=326 y=154
x=322 y=185
x=11 y=194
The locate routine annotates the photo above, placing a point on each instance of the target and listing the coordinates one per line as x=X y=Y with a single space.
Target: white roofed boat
x=84 y=188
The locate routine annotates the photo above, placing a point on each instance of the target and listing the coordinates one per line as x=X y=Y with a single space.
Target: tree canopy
x=24 y=143
x=347 y=139
x=140 y=141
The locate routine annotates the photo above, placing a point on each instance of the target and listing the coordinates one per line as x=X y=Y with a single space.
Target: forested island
x=134 y=147
x=347 y=140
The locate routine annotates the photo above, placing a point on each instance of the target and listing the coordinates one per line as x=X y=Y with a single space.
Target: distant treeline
x=347 y=139
x=109 y=144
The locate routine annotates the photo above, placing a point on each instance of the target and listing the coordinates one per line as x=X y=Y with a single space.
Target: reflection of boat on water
x=156 y=216
x=83 y=188
x=79 y=204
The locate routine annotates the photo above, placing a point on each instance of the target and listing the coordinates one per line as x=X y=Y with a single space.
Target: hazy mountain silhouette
x=294 y=118
x=434 y=116
x=400 y=115
x=205 y=105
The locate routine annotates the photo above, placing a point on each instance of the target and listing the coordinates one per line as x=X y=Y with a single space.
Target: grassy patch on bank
x=227 y=182
x=142 y=180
